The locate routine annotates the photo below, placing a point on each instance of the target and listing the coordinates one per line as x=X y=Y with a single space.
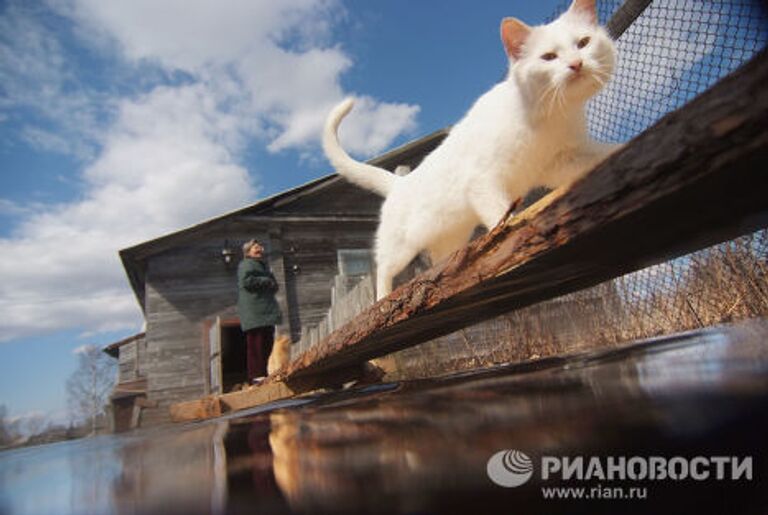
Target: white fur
x=364 y=175
x=527 y=131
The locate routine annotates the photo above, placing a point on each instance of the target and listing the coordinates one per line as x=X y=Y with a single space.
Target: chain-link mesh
x=673 y=51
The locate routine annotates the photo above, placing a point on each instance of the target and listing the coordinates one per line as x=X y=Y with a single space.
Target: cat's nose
x=576 y=65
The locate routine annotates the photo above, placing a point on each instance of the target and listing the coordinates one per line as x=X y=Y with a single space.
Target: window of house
x=353 y=262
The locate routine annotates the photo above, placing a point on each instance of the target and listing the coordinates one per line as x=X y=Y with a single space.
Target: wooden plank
x=199 y=409
x=215 y=405
x=696 y=178
x=256 y=396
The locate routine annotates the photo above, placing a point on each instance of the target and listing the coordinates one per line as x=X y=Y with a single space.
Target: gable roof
x=113 y=349
x=134 y=258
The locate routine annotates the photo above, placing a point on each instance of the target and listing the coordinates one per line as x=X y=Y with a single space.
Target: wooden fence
x=349 y=296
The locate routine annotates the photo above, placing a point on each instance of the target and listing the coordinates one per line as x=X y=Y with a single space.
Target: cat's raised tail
x=364 y=175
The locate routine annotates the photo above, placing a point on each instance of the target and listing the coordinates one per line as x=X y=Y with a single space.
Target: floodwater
x=424 y=446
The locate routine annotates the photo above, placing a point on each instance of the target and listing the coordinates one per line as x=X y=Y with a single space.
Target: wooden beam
x=625 y=16
x=699 y=176
x=216 y=405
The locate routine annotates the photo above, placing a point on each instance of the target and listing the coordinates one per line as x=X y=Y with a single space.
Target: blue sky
x=122 y=121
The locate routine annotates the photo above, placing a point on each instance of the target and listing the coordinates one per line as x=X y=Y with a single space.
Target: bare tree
x=89 y=386
x=35 y=424
x=7 y=435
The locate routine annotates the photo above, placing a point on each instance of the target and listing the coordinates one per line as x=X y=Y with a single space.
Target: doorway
x=234 y=369
x=227 y=367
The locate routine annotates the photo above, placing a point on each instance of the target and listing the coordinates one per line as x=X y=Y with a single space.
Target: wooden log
x=199 y=409
x=696 y=178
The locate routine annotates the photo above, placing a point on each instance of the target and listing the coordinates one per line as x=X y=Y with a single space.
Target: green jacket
x=256 y=303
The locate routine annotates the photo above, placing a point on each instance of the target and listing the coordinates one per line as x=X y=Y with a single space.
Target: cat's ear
x=584 y=8
x=513 y=35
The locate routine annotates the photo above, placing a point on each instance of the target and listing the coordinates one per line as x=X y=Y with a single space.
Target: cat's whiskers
x=601 y=77
x=551 y=93
x=556 y=100
x=554 y=93
x=597 y=78
x=561 y=97
x=547 y=97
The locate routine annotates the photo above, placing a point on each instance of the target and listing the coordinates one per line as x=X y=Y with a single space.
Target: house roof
x=134 y=258
x=113 y=349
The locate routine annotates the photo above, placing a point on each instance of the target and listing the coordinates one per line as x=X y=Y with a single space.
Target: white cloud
x=83 y=349
x=258 y=55
x=29 y=415
x=195 y=35
x=9 y=207
x=35 y=75
x=161 y=168
x=48 y=141
x=168 y=154
x=373 y=125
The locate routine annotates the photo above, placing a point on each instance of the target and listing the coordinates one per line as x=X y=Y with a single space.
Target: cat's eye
x=583 y=42
x=549 y=56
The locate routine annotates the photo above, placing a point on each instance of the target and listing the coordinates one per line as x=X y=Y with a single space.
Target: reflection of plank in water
x=694 y=179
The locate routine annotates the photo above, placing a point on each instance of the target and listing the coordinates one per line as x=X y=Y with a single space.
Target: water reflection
x=422 y=447
x=67 y=477
x=252 y=487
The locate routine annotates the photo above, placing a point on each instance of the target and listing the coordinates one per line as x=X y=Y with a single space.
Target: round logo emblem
x=510 y=468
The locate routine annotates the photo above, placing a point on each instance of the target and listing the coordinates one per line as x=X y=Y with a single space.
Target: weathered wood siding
x=311 y=263
x=188 y=285
x=127 y=363
x=130 y=360
x=186 y=288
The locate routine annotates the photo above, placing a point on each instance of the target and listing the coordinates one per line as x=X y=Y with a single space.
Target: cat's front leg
x=491 y=205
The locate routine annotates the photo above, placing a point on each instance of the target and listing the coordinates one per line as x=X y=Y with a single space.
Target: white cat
x=529 y=130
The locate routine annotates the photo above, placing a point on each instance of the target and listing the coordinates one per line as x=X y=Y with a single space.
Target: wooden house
x=130 y=393
x=185 y=283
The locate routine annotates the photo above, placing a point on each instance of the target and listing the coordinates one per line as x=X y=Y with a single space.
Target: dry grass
x=721 y=284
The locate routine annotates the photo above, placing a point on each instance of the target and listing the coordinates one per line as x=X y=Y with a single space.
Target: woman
x=258 y=308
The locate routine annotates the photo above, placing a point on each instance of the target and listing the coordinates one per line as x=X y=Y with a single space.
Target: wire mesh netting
x=672 y=52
